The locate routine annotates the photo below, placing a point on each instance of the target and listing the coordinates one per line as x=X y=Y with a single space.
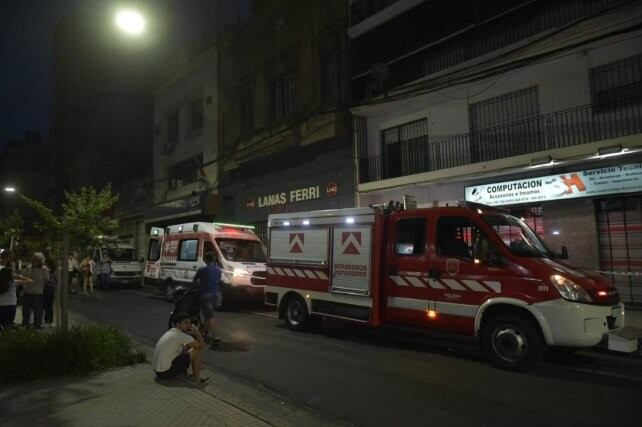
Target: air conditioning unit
x=174 y=183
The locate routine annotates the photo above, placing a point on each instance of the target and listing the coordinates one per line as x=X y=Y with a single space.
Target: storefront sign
x=571 y=185
x=292 y=196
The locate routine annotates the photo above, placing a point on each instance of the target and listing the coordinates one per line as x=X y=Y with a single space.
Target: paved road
x=366 y=378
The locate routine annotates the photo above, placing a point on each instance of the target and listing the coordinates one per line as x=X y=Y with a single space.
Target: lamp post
x=130 y=22
x=10 y=189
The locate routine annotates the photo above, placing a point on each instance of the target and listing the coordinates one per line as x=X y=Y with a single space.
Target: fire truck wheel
x=512 y=342
x=297 y=317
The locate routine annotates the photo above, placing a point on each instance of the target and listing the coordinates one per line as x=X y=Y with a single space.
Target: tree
x=83 y=221
x=11 y=229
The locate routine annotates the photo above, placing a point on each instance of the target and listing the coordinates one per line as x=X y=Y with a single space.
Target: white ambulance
x=151 y=274
x=239 y=252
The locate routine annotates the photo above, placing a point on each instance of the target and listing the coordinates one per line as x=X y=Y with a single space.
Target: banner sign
x=571 y=185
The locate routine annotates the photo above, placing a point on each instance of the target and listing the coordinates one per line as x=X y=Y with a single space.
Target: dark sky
x=26 y=28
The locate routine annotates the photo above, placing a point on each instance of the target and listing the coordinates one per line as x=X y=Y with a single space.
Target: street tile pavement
x=129 y=396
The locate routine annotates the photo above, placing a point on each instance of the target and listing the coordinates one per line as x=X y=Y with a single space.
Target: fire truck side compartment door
x=351 y=260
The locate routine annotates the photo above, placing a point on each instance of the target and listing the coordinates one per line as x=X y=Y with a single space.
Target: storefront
x=307 y=180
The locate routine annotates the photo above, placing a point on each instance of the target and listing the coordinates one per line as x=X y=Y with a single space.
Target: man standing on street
x=178 y=349
x=207 y=278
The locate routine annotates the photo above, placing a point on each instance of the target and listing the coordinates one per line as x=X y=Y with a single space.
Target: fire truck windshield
x=517 y=236
x=238 y=250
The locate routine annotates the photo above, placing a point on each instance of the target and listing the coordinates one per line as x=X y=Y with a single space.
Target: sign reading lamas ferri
x=570 y=185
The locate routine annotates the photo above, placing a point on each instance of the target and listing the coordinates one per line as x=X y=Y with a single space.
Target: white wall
x=196 y=78
x=563 y=83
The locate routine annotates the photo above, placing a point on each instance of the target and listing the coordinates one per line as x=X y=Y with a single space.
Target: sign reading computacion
x=571 y=185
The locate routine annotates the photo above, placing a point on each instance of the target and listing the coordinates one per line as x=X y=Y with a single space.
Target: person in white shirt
x=33 y=297
x=8 y=296
x=177 y=350
x=73 y=270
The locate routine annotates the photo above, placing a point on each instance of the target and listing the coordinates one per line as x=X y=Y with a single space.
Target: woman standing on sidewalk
x=87 y=267
x=8 y=287
x=33 y=298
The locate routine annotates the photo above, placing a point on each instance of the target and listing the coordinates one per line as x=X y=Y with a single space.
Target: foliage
x=83 y=217
x=12 y=225
x=27 y=354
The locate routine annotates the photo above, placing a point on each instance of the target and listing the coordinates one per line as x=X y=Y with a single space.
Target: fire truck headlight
x=569 y=290
x=239 y=272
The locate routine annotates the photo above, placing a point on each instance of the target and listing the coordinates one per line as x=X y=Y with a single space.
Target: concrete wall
x=197 y=79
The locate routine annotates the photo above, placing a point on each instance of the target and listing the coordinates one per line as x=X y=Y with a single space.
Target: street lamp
x=10 y=189
x=130 y=22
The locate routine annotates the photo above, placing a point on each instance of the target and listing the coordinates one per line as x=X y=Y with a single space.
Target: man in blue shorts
x=207 y=278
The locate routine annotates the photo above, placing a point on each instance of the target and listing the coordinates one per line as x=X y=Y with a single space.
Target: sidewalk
x=122 y=397
x=132 y=396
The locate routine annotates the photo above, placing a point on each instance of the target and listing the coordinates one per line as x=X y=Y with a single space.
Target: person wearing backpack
x=8 y=286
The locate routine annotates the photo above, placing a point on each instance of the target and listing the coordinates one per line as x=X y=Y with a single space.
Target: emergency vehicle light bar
x=226 y=225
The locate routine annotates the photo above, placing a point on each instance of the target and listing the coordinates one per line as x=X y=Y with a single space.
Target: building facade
x=185 y=170
x=530 y=105
x=285 y=124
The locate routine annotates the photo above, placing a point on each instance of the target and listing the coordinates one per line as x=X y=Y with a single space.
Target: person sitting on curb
x=178 y=349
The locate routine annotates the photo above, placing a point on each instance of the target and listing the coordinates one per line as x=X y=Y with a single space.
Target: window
x=208 y=247
x=172 y=129
x=330 y=77
x=196 y=114
x=402 y=148
x=121 y=254
x=285 y=97
x=154 y=250
x=187 y=171
x=238 y=250
x=246 y=110
x=616 y=84
x=506 y=126
x=517 y=236
x=188 y=250
x=410 y=239
x=460 y=237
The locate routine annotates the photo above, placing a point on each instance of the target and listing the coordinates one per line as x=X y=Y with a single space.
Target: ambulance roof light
x=350 y=220
x=286 y=223
x=306 y=222
x=228 y=225
x=180 y=228
x=155 y=232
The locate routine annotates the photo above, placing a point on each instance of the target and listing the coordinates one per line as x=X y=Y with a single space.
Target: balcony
x=577 y=126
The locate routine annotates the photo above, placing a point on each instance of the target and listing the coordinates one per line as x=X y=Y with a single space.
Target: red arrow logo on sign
x=351 y=242
x=296 y=243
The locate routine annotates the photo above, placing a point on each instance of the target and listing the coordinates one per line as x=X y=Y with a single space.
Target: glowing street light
x=10 y=189
x=130 y=22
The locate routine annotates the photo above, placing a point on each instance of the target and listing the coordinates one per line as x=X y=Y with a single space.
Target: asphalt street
x=368 y=377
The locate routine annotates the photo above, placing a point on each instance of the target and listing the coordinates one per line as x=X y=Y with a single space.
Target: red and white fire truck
x=467 y=269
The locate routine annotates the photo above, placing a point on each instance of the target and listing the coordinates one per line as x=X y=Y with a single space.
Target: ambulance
x=151 y=273
x=466 y=269
x=126 y=270
x=238 y=252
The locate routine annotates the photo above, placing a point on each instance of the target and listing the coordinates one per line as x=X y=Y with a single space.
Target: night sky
x=26 y=28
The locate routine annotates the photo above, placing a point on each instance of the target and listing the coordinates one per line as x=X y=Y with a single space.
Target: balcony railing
x=360 y=10
x=560 y=129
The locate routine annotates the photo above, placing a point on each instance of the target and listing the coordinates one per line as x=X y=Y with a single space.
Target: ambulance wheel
x=297 y=317
x=512 y=342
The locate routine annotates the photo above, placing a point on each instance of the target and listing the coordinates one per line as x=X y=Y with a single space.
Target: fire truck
x=466 y=269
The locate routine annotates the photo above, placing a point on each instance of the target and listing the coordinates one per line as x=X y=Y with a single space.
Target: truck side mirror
x=564 y=253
